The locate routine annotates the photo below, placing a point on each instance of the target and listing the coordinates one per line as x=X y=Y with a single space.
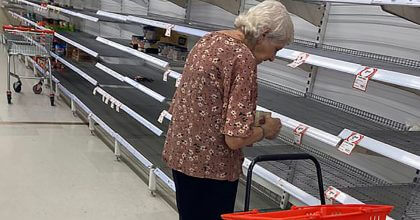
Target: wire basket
x=28 y=41
x=336 y=212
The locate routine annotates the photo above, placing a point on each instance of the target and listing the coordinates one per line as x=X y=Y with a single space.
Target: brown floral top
x=216 y=97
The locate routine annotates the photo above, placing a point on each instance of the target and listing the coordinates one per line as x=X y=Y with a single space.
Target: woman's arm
x=270 y=129
x=235 y=143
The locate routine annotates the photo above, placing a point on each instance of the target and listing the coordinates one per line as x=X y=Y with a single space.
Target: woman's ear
x=266 y=32
x=263 y=35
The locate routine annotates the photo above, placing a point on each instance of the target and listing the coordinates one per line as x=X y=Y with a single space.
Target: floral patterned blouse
x=216 y=97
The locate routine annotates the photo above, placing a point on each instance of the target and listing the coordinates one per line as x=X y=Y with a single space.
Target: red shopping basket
x=336 y=212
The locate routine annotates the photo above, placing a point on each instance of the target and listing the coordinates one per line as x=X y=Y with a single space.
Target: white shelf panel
x=81 y=47
x=133 y=83
x=386 y=150
x=151 y=59
x=75 y=69
x=129 y=111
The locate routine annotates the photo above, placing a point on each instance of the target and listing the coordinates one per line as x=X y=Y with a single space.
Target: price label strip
x=162 y=116
x=300 y=59
x=169 y=30
x=107 y=98
x=118 y=106
x=177 y=82
x=113 y=102
x=165 y=75
x=362 y=78
x=299 y=132
x=332 y=193
x=350 y=143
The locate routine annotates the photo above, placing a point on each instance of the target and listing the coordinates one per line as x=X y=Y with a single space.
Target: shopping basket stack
x=336 y=212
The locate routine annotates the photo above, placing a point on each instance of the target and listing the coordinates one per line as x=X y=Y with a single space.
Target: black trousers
x=203 y=199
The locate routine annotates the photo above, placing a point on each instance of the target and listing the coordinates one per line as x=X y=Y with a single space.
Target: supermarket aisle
x=52 y=168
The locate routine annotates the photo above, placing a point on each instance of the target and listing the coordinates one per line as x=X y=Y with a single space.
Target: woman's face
x=266 y=49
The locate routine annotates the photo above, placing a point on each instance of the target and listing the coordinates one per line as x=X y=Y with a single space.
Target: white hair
x=269 y=15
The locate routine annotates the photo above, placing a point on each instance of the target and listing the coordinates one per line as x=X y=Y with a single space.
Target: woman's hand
x=271 y=127
x=260 y=117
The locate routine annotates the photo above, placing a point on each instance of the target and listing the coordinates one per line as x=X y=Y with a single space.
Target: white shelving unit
x=263 y=177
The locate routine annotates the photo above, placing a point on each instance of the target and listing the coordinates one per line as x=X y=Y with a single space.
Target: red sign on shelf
x=350 y=143
x=299 y=132
x=300 y=59
x=363 y=77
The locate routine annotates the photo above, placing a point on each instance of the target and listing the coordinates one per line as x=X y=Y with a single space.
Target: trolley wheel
x=52 y=100
x=9 y=97
x=17 y=86
x=37 y=88
x=153 y=193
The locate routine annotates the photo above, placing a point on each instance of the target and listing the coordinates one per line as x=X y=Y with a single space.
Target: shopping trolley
x=333 y=212
x=28 y=41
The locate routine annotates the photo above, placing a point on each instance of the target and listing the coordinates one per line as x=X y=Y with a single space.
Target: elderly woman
x=214 y=108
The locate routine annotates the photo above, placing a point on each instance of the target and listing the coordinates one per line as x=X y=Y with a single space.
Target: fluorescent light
x=151 y=59
x=112 y=15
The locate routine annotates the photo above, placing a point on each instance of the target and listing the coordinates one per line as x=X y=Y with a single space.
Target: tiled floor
x=60 y=171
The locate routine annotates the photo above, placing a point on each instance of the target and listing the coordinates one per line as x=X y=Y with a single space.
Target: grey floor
x=52 y=168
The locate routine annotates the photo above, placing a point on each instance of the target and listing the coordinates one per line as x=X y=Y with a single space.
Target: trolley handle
x=26 y=29
x=281 y=157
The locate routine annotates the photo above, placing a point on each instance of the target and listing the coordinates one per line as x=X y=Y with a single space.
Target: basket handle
x=281 y=157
